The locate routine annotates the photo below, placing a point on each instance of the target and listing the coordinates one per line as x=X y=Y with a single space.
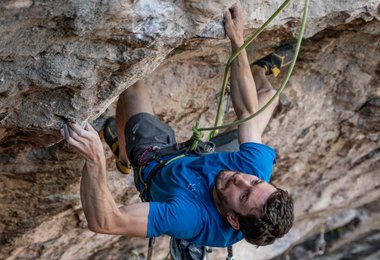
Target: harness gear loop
x=144 y=158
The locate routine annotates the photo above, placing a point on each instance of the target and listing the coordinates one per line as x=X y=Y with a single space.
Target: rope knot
x=197 y=136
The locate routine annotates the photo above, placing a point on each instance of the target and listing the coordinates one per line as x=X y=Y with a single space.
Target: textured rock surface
x=69 y=62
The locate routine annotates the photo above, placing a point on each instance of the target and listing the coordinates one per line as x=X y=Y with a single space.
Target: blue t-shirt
x=182 y=205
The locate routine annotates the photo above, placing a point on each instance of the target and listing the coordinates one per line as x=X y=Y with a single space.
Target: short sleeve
x=177 y=218
x=259 y=156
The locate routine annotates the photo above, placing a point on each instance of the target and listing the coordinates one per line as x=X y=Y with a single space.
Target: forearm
x=98 y=204
x=243 y=88
x=100 y=209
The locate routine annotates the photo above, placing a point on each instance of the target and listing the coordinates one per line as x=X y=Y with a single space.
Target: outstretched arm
x=243 y=88
x=100 y=209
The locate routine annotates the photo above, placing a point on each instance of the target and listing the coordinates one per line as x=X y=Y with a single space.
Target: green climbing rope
x=196 y=130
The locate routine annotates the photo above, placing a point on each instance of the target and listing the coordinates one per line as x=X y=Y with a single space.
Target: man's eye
x=243 y=197
x=256 y=182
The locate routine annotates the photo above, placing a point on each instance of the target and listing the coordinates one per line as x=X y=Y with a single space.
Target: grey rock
x=69 y=62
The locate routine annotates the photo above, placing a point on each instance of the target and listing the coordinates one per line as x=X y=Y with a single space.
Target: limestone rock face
x=69 y=60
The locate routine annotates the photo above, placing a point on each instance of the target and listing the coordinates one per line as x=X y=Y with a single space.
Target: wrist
x=237 y=43
x=97 y=162
x=95 y=172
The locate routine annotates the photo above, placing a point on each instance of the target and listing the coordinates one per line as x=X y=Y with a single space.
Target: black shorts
x=145 y=130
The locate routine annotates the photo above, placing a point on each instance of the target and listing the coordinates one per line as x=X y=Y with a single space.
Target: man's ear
x=233 y=220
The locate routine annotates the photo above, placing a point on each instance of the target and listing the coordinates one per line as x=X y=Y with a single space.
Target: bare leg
x=265 y=92
x=133 y=100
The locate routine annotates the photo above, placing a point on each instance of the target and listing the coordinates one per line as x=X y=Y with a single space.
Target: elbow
x=276 y=101
x=96 y=229
x=110 y=226
x=269 y=94
x=100 y=230
x=99 y=227
x=246 y=112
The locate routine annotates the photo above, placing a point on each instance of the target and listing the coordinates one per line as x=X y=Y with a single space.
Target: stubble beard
x=219 y=190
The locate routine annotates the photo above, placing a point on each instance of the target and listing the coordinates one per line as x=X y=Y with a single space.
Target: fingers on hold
x=227 y=16
x=62 y=131
x=238 y=5
x=76 y=128
x=78 y=146
x=66 y=131
x=90 y=128
x=77 y=134
x=73 y=133
x=232 y=12
x=235 y=10
x=71 y=140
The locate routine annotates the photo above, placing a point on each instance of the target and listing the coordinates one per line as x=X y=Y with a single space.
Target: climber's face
x=242 y=193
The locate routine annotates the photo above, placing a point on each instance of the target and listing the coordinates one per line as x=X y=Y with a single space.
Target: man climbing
x=214 y=199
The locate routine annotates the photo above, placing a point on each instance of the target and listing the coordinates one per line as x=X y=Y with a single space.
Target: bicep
x=131 y=220
x=249 y=131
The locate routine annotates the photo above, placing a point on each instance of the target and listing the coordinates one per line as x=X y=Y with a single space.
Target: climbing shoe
x=110 y=137
x=280 y=58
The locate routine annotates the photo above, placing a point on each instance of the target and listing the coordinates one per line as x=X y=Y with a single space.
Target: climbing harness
x=196 y=139
x=149 y=155
x=144 y=192
x=154 y=153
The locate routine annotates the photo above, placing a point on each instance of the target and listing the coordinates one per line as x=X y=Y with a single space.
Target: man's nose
x=240 y=181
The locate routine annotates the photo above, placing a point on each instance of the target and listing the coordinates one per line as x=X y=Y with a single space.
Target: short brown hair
x=275 y=222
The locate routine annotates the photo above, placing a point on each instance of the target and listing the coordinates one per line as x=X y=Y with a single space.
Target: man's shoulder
x=254 y=145
x=257 y=150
